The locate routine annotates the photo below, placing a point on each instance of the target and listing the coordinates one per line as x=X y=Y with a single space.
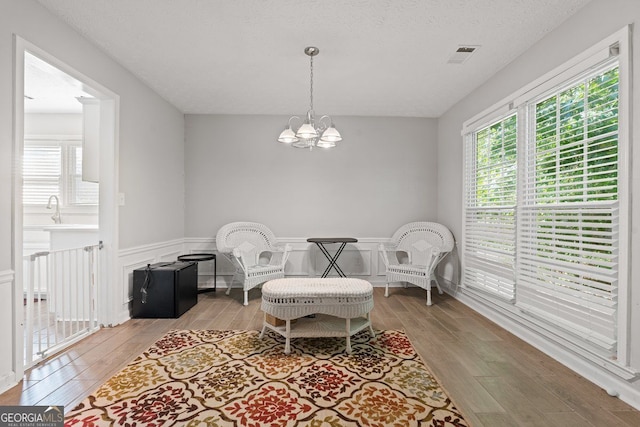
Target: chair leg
x=246 y=297
x=372 y=334
x=231 y=283
x=437 y=285
x=429 y=296
x=287 y=342
x=386 y=290
x=264 y=327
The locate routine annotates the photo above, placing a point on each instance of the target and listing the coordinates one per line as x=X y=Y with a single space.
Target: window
x=54 y=167
x=569 y=229
x=490 y=208
x=42 y=168
x=544 y=186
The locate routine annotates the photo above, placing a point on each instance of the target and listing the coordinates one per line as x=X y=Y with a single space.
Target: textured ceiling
x=377 y=57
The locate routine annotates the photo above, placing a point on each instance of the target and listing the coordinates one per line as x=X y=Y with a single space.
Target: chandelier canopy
x=312 y=132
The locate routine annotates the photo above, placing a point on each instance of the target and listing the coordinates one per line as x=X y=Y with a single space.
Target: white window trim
x=620 y=41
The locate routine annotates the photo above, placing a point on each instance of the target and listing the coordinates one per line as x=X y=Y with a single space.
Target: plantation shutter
x=569 y=216
x=490 y=198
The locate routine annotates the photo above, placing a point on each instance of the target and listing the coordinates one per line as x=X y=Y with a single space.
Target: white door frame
x=108 y=210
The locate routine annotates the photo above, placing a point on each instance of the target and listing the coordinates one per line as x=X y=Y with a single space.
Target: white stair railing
x=60 y=289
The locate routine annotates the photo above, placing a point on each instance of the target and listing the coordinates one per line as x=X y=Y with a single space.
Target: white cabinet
x=71 y=236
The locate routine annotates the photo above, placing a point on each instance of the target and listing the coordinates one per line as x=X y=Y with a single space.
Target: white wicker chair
x=254 y=251
x=425 y=244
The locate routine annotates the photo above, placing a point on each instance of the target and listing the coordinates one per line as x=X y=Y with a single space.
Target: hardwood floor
x=494 y=378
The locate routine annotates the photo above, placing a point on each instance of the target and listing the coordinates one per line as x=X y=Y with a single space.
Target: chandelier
x=312 y=132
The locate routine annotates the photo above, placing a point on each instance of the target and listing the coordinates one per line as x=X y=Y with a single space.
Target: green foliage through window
x=496 y=164
x=576 y=145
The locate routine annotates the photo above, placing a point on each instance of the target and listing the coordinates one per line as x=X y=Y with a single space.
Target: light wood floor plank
x=493 y=377
x=631 y=418
x=566 y=419
x=473 y=397
x=496 y=420
x=518 y=405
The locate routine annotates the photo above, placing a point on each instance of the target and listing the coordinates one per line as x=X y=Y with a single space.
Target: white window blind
x=54 y=167
x=490 y=199
x=569 y=216
x=42 y=169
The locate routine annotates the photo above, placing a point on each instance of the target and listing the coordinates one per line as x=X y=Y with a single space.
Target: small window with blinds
x=42 y=173
x=490 y=200
x=54 y=167
x=568 y=235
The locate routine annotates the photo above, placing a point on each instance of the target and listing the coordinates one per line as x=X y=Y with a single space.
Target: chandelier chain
x=311 y=85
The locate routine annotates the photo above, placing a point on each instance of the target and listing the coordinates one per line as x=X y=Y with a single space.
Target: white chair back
x=419 y=239
x=251 y=238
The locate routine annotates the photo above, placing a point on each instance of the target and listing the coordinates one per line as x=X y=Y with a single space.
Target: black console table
x=199 y=258
x=333 y=260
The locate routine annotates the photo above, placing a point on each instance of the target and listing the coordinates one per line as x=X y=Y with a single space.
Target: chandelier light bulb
x=287 y=136
x=331 y=135
x=306 y=131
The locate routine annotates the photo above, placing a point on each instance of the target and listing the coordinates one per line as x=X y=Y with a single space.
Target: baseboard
x=8 y=376
x=7 y=381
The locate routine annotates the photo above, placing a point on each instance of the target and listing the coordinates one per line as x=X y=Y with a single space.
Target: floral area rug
x=207 y=378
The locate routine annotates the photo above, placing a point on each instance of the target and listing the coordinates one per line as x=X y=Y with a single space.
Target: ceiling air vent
x=462 y=54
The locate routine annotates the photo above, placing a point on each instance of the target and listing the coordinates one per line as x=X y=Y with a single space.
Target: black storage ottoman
x=164 y=290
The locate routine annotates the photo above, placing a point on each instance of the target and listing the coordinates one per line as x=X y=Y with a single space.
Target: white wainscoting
x=361 y=260
x=138 y=257
x=7 y=373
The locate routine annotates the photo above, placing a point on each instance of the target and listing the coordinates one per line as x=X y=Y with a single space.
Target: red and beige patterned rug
x=232 y=378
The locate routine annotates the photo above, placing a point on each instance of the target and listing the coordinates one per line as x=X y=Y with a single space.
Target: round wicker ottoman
x=344 y=303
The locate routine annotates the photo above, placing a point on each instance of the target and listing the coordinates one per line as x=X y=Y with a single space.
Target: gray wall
x=594 y=22
x=382 y=175
x=151 y=153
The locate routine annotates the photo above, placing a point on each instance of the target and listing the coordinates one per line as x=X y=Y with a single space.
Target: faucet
x=56 y=215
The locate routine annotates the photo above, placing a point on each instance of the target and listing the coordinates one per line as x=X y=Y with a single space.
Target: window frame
x=617 y=44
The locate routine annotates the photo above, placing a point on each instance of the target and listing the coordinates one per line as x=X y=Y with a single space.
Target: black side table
x=333 y=260
x=199 y=258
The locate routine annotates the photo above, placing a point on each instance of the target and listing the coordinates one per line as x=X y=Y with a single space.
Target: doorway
x=65 y=216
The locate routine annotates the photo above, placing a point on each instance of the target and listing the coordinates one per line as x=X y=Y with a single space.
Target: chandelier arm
x=294 y=117
x=322 y=126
